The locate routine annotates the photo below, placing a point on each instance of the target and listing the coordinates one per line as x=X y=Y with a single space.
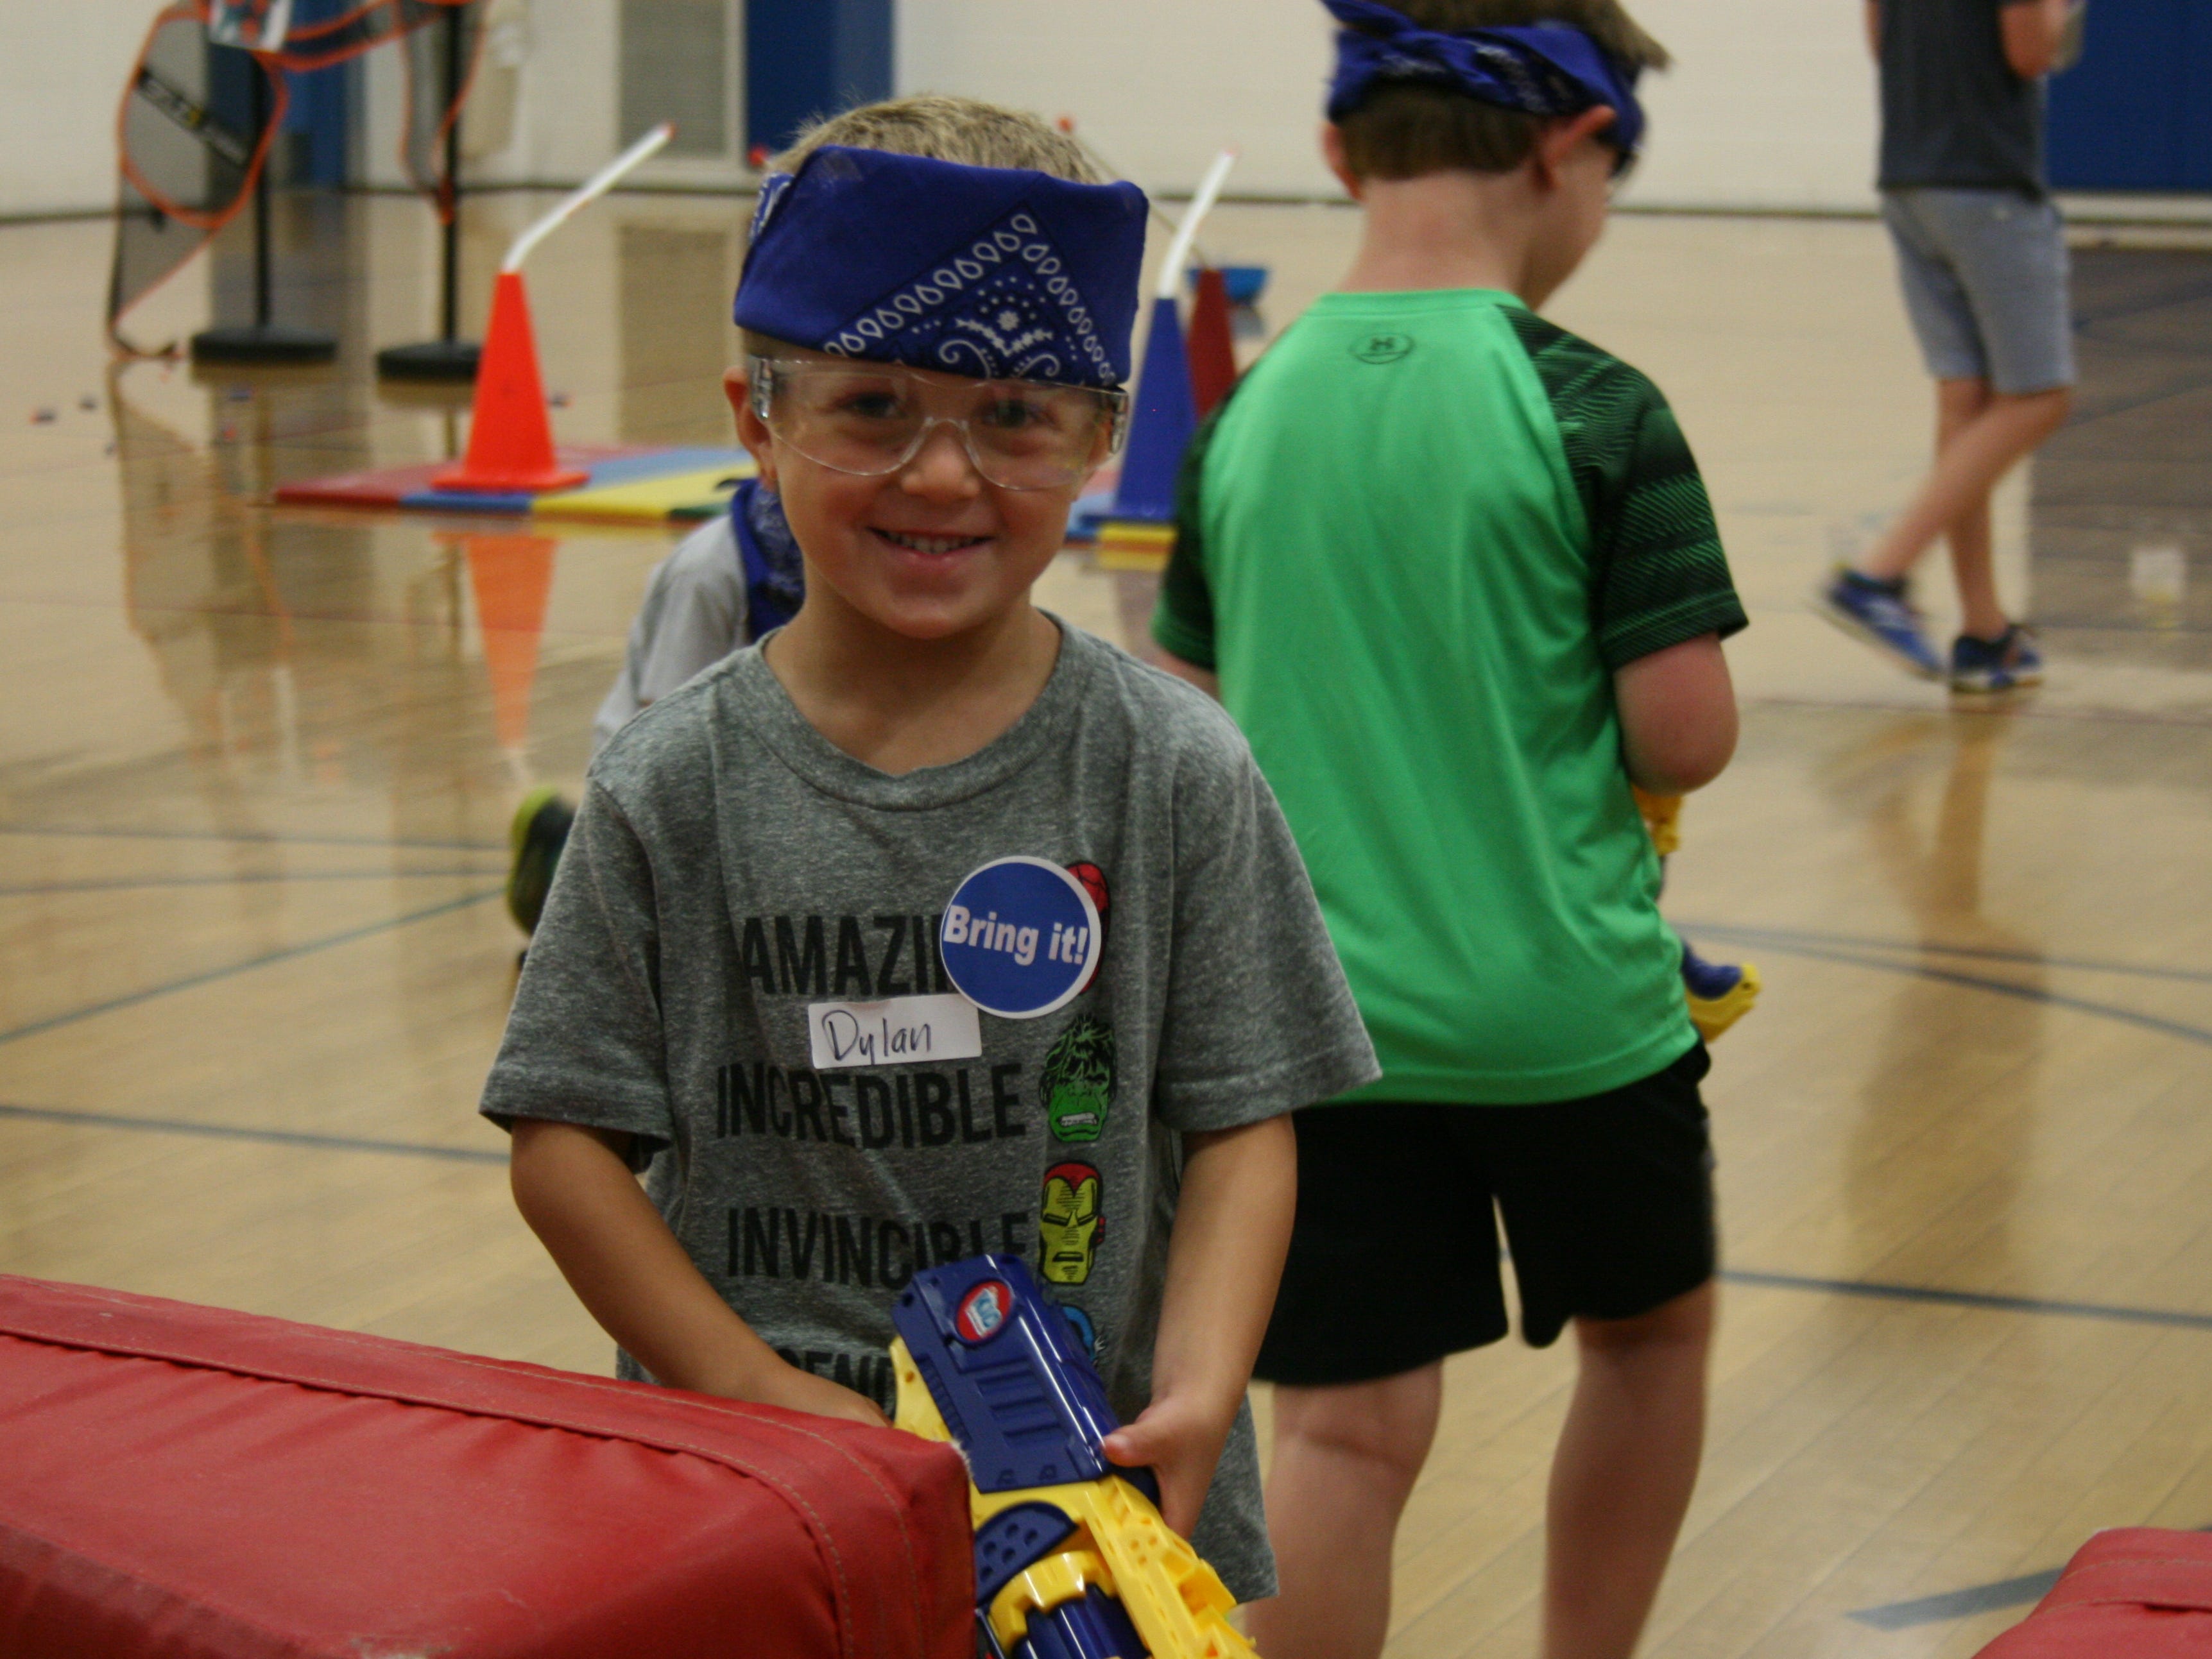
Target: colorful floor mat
x=627 y=485
x=697 y=492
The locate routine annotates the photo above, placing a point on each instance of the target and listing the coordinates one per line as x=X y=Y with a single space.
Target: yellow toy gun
x=1072 y=1560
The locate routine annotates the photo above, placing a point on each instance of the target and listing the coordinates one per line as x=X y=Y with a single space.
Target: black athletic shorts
x=1609 y=1208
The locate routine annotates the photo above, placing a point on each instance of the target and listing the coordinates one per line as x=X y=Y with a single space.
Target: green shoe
x=539 y=833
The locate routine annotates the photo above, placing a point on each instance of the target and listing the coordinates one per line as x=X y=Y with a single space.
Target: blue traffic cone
x=1160 y=430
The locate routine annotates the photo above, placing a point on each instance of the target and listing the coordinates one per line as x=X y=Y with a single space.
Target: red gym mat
x=199 y=1483
x=2132 y=1593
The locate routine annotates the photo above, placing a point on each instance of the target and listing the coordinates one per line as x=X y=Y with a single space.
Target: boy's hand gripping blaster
x=1072 y=1560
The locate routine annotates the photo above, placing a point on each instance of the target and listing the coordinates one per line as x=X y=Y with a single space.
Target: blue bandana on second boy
x=999 y=272
x=768 y=552
x=1540 y=68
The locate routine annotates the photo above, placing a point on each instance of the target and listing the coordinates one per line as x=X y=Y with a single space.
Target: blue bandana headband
x=1543 y=68
x=999 y=272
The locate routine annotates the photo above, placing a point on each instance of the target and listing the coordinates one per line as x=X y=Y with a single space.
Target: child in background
x=1455 y=573
x=726 y=584
x=925 y=924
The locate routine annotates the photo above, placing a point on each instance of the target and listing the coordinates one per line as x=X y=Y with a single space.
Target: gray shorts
x=1984 y=279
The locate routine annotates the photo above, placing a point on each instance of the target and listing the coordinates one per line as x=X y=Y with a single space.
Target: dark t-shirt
x=1952 y=112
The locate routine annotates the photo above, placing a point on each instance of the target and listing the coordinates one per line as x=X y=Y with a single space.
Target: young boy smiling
x=765 y=858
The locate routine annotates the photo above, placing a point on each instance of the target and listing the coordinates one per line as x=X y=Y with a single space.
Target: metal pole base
x=263 y=342
x=429 y=360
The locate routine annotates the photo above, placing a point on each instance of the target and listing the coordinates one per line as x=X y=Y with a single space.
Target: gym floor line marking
x=240 y=1132
x=1875 y=1290
x=1988 y=1301
x=2188 y=293
x=2120 y=406
x=345 y=618
x=1962 y=1604
x=1959 y=1603
x=2184 y=722
x=1997 y=987
x=2105 y=625
x=65 y=832
x=133 y=998
x=124 y=884
x=2025 y=958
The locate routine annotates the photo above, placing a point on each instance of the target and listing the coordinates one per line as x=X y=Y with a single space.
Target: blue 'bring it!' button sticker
x=1020 y=938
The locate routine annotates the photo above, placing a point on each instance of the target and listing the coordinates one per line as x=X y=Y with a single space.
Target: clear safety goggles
x=869 y=419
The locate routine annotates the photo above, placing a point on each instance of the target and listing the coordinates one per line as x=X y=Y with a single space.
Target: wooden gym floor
x=256 y=768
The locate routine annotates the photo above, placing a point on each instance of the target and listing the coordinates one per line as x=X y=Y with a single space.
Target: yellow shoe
x=1719 y=993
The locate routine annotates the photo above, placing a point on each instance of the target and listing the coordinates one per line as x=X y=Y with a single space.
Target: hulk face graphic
x=1076 y=1085
x=1068 y=1223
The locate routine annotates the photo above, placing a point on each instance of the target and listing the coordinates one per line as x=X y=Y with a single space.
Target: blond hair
x=949 y=128
x=1403 y=130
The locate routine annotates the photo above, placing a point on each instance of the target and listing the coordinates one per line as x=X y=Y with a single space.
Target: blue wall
x=317 y=119
x=805 y=58
x=312 y=145
x=2135 y=114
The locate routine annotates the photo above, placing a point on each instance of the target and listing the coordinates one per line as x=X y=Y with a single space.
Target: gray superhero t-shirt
x=730 y=870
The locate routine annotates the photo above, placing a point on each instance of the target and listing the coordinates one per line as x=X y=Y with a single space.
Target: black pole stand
x=262 y=341
x=445 y=358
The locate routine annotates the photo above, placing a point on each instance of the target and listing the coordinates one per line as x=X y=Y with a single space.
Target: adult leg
x=1985 y=280
x=1983 y=446
x=1344 y=1461
x=1974 y=558
x=1621 y=1478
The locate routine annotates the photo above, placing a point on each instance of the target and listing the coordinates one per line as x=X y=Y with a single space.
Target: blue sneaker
x=2007 y=662
x=1881 y=614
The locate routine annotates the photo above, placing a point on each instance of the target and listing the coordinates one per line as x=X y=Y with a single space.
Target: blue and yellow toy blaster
x=1072 y=1560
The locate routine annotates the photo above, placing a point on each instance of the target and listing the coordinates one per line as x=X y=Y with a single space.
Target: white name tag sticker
x=894 y=1032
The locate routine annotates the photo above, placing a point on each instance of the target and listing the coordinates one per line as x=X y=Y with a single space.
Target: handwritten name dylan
x=887 y=1033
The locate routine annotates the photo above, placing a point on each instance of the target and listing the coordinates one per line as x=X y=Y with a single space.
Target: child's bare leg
x=1621 y=1479
x=1344 y=1461
x=1982 y=449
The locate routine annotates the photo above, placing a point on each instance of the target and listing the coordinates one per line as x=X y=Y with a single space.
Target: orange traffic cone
x=1213 y=355
x=512 y=575
x=510 y=439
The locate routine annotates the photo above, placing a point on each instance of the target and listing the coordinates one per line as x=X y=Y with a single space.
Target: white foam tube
x=592 y=188
x=1187 y=232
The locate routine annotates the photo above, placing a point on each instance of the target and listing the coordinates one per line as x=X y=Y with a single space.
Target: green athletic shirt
x=1415 y=545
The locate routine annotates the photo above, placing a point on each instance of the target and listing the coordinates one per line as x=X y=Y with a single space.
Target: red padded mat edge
x=755 y=1441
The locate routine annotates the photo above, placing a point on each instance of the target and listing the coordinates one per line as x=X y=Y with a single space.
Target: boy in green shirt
x=1454 y=571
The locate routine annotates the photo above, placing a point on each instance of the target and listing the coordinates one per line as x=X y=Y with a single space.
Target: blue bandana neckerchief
x=768 y=555
x=999 y=272
x=1543 y=69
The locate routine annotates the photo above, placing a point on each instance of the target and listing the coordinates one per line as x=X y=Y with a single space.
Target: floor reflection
x=2121 y=510
x=266 y=631
x=1976 y=1053
x=199 y=590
